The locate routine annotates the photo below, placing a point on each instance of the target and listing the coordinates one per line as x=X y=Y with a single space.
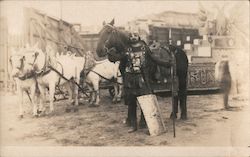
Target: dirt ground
x=207 y=124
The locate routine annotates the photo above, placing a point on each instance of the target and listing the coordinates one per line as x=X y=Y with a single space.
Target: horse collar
x=27 y=76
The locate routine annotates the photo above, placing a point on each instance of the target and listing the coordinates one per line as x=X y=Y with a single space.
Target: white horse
x=52 y=71
x=25 y=81
x=104 y=71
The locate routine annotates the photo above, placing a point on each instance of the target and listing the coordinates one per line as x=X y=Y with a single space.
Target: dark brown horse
x=114 y=43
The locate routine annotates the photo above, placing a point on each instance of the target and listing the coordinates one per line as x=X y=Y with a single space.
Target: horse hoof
x=75 y=110
x=173 y=116
x=118 y=100
x=81 y=104
x=39 y=111
x=114 y=100
x=183 y=118
x=67 y=110
x=35 y=116
x=92 y=105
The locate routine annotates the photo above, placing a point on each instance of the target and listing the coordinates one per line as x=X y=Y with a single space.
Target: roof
x=175 y=19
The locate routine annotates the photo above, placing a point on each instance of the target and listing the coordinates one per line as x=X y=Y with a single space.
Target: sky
x=93 y=13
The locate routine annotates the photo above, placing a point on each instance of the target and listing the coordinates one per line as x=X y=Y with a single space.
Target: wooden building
x=38 y=27
x=169 y=26
x=90 y=41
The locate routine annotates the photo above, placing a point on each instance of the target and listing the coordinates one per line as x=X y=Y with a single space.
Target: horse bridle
x=22 y=64
x=36 y=55
x=106 y=48
x=34 y=61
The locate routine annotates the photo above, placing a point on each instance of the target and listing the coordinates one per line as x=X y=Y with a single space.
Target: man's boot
x=127 y=122
x=133 y=127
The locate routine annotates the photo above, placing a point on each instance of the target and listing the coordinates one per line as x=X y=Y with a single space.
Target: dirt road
x=208 y=125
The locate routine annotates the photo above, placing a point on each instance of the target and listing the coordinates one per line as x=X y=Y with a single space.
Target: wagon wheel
x=112 y=92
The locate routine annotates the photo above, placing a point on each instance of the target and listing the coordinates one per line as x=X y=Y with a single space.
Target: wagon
x=200 y=80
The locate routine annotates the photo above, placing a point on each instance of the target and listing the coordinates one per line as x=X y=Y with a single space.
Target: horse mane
x=120 y=38
x=109 y=32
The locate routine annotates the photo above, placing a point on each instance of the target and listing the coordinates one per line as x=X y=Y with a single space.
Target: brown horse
x=114 y=43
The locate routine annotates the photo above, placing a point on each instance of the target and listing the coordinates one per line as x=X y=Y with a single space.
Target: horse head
x=112 y=42
x=16 y=61
x=34 y=58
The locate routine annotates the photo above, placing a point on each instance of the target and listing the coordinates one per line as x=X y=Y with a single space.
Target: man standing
x=136 y=83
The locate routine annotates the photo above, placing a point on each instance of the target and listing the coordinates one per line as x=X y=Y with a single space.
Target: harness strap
x=110 y=80
x=61 y=75
x=27 y=76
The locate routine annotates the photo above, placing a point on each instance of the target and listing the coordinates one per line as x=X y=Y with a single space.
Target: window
x=178 y=43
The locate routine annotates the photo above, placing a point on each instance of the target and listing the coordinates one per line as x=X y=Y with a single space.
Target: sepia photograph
x=124 y=78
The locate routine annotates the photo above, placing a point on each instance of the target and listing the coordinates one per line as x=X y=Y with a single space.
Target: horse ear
x=103 y=23
x=112 y=22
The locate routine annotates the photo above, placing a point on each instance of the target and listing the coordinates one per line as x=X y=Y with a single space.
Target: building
x=169 y=26
x=90 y=37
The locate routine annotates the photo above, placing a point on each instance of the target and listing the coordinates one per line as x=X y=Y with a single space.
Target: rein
x=110 y=80
x=106 y=48
x=32 y=64
x=62 y=76
x=26 y=76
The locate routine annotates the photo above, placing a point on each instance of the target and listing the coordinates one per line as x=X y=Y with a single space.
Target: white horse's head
x=34 y=58
x=16 y=61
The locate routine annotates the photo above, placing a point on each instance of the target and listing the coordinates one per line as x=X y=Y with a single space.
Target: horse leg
x=183 y=105
x=52 y=87
x=96 y=91
x=20 y=93
x=34 y=103
x=75 y=108
x=91 y=94
x=116 y=93
x=119 y=88
x=76 y=94
x=183 y=97
x=69 y=89
x=225 y=100
x=119 y=94
x=42 y=98
x=175 y=109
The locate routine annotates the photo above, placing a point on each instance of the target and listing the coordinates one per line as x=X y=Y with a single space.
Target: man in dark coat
x=135 y=68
